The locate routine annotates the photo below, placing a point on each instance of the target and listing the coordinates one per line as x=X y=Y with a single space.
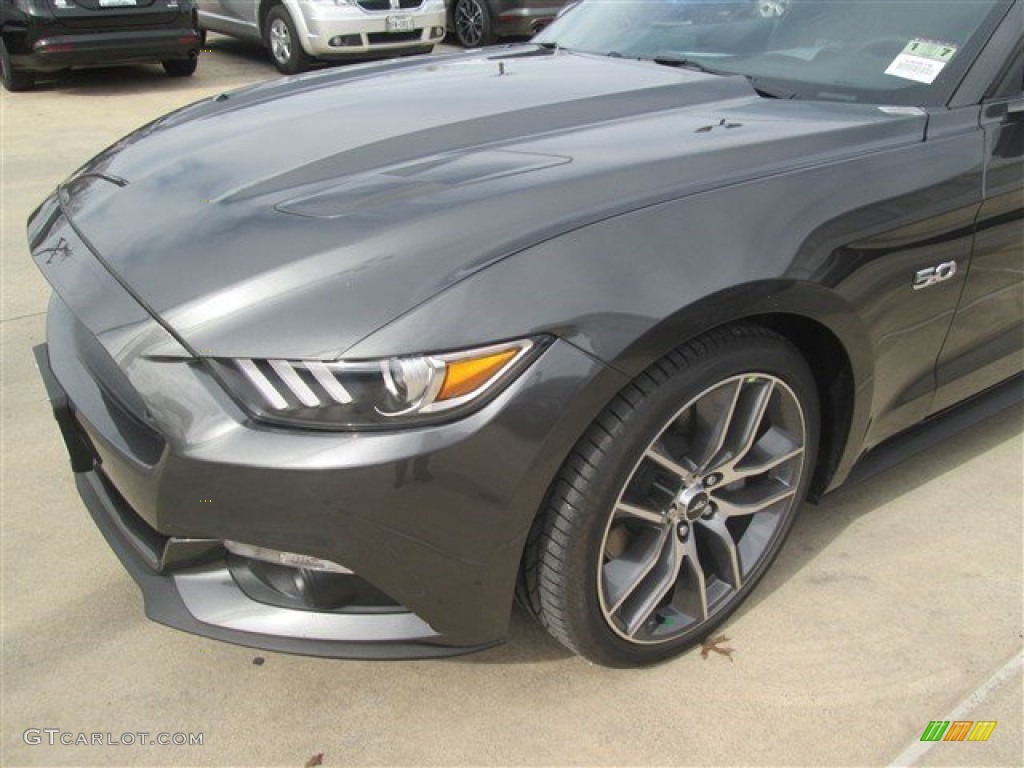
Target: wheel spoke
x=723 y=418
x=723 y=551
x=754 y=416
x=622 y=509
x=691 y=595
x=666 y=462
x=755 y=498
x=748 y=415
x=759 y=465
x=655 y=587
x=622 y=576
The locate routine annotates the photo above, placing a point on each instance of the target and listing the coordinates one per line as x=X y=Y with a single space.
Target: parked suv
x=51 y=35
x=296 y=32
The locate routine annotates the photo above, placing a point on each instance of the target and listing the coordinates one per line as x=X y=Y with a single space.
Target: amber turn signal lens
x=464 y=376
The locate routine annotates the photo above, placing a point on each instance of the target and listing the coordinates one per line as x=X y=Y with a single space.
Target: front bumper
x=437 y=523
x=186 y=583
x=128 y=46
x=367 y=33
x=434 y=518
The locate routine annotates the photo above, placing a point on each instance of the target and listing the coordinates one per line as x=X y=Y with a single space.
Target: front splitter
x=183 y=599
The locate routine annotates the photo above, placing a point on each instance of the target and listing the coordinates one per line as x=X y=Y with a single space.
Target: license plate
x=394 y=23
x=115 y=3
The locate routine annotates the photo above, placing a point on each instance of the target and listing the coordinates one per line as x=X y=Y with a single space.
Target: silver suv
x=297 y=32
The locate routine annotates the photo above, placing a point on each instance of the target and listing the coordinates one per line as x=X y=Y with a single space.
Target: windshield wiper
x=678 y=60
x=684 y=62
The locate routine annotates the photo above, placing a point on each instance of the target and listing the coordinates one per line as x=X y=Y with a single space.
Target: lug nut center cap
x=692 y=503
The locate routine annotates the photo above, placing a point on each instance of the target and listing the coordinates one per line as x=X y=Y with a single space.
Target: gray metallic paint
x=560 y=106
x=618 y=206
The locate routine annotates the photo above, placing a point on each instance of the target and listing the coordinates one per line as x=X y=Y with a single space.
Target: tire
x=14 y=79
x=283 y=42
x=656 y=530
x=181 y=67
x=473 y=23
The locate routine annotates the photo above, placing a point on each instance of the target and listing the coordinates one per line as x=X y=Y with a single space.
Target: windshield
x=905 y=52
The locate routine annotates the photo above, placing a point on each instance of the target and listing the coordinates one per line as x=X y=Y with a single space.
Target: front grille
x=385 y=5
x=378 y=38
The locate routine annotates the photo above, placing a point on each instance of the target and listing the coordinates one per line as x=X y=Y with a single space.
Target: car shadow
x=249 y=50
x=895 y=469
x=110 y=81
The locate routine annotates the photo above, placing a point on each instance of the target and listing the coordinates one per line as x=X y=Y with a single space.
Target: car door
x=244 y=10
x=233 y=17
x=984 y=343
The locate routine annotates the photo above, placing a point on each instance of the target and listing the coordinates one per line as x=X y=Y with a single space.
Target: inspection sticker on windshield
x=922 y=61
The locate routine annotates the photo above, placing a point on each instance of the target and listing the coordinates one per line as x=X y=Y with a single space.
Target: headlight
x=375 y=393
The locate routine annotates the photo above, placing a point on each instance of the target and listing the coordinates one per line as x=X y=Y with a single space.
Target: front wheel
x=473 y=23
x=676 y=500
x=283 y=43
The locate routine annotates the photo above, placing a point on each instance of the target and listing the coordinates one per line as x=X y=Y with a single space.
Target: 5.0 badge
x=925 y=278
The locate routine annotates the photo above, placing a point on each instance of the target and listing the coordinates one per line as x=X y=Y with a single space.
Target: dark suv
x=51 y=35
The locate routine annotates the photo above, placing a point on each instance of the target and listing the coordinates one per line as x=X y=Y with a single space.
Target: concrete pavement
x=892 y=602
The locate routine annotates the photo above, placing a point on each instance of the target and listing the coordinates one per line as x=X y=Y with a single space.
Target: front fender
x=628 y=289
x=299 y=20
x=490 y=308
x=835 y=244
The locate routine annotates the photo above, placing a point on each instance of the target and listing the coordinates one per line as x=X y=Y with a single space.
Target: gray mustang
x=346 y=361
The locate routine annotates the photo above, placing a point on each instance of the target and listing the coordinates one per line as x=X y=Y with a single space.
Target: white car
x=296 y=32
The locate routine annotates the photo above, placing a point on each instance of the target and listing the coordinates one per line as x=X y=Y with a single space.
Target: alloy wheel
x=280 y=41
x=469 y=22
x=702 y=509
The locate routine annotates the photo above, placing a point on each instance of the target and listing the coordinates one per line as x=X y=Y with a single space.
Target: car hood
x=294 y=218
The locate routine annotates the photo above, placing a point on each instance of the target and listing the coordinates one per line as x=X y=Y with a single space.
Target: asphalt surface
x=895 y=602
